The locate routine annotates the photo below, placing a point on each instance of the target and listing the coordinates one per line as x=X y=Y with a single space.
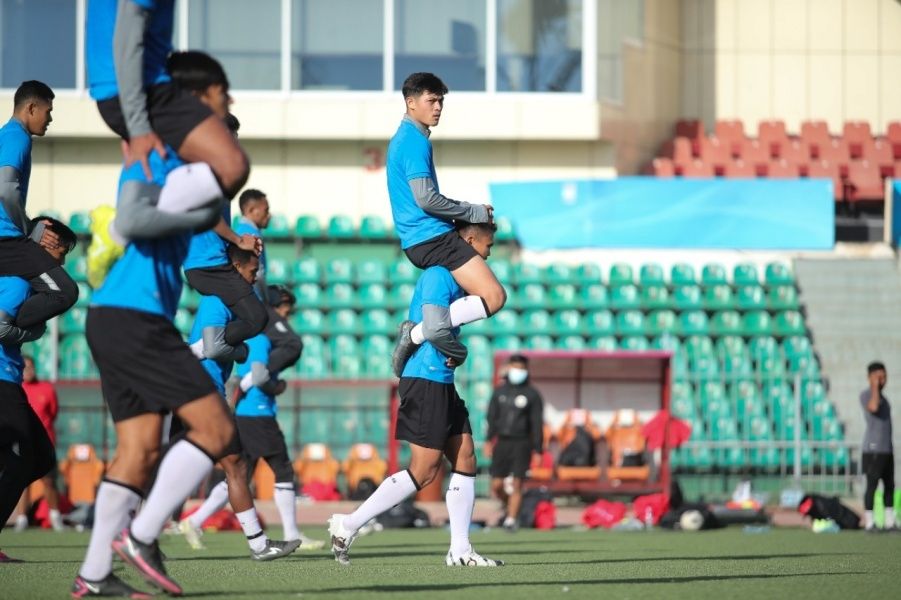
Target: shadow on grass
x=690 y=558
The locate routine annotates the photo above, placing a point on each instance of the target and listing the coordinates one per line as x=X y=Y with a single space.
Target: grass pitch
x=566 y=564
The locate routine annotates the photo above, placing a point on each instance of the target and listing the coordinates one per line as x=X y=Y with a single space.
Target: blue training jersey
x=410 y=157
x=100 y=25
x=13 y=292
x=15 y=152
x=212 y=312
x=245 y=227
x=148 y=276
x=435 y=286
x=208 y=249
x=256 y=402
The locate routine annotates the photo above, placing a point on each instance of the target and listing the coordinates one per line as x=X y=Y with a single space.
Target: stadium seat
x=624 y=297
x=376 y=321
x=620 y=275
x=372 y=295
x=525 y=273
x=662 y=167
x=502 y=270
x=779 y=274
x=574 y=419
x=278 y=227
x=506 y=322
x=567 y=322
x=599 y=323
x=699 y=345
x=783 y=297
x=822 y=168
x=571 y=342
x=308 y=295
x=84 y=294
x=865 y=182
x=790 y=322
x=588 y=274
x=879 y=152
x=751 y=297
x=593 y=296
x=308 y=320
x=626 y=443
x=73 y=321
x=835 y=151
x=682 y=274
x=307 y=227
x=604 y=343
x=730 y=344
x=363 y=462
x=714 y=274
x=307 y=270
x=679 y=149
x=745 y=274
x=726 y=322
x=82 y=471
x=556 y=273
x=651 y=274
x=718 y=297
x=666 y=340
x=316 y=463
x=371 y=271
x=660 y=322
x=772 y=134
x=764 y=346
x=340 y=227
x=629 y=322
x=687 y=297
x=654 y=296
x=536 y=321
x=796 y=151
x=277 y=271
x=507 y=342
x=80 y=223
x=339 y=270
x=562 y=296
x=754 y=153
x=696 y=169
x=739 y=169
x=400 y=295
x=693 y=322
x=715 y=152
x=539 y=342
x=343 y=320
x=857 y=134
x=731 y=132
x=634 y=343
x=505 y=232
x=77 y=267
x=531 y=295
x=75 y=359
x=815 y=132
x=689 y=128
x=781 y=169
x=402 y=271
x=373 y=227
x=756 y=323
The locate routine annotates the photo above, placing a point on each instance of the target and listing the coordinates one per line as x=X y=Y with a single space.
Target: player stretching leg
x=432 y=418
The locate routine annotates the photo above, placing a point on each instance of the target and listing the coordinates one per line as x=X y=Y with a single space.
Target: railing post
x=798 y=425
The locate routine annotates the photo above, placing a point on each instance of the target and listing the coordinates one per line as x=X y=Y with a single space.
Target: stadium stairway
x=852 y=311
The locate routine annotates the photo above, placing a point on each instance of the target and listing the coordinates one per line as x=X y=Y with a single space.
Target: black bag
x=404 y=515
x=822 y=507
x=364 y=489
x=671 y=518
x=530 y=500
x=579 y=452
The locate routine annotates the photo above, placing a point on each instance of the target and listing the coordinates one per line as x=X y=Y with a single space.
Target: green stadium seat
x=737 y=365
x=371 y=271
x=377 y=366
x=682 y=274
x=783 y=297
x=651 y=274
x=562 y=296
x=402 y=271
x=797 y=345
x=372 y=295
x=718 y=297
x=747 y=400
x=524 y=273
x=342 y=321
x=654 y=296
x=599 y=323
x=714 y=274
x=634 y=343
x=683 y=401
x=308 y=320
x=629 y=322
x=340 y=227
x=307 y=227
x=807 y=366
x=693 y=322
x=703 y=367
x=771 y=367
x=727 y=322
x=308 y=295
x=375 y=344
x=687 y=297
x=342 y=344
x=536 y=321
x=757 y=323
x=84 y=294
x=80 y=222
x=505 y=232
x=660 y=322
x=75 y=359
x=567 y=322
x=764 y=346
x=667 y=340
x=339 y=270
x=571 y=342
x=556 y=273
x=789 y=322
x=376 y=321
x=779 y=274
x=507 y=342
x=604 y=343
x=745 y=274
x=758 y=429
x=624 y=297
x=588 y=273
x=731 y=344
x=184 y=321
x=699 y=345
x=751 y=297
x=339 y=295
x=307 y=270
x=312 y=366
x=503 y=270
x=778 y=398
x=277 y=271
x=400 y=295
x=531 y=295
x=594 y=296
x=77 y=267
x=73 y=321
x=539 y=342
x=621 y=274
x=40 y=349
x=373 y=227
x=278 y=227
x=506 y=322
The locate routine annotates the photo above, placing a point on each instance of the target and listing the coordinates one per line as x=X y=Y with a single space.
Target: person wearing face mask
x=515 y=428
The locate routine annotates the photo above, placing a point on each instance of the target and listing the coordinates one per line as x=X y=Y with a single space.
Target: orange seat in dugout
x=316 y=463
x=540 y=469
x=575 y=418
x=264 y=481
x=82 y=471
x=363 y=462
x=625 y=440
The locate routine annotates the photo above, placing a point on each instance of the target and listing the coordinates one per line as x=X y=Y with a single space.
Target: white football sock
x=181 y=471
x=868 y=519
x=250 y=523
x=215 y=501
x=392 y=491
x=113 y=510
x=188 y=187
x=460 y=499
x=285 y=497
x=462 y=311
x=889 y=520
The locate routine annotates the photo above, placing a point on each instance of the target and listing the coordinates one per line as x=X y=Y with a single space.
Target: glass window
x=445 y=38
x=244 y=36
x=327 y=56
x=539 y=45
x=38 y=42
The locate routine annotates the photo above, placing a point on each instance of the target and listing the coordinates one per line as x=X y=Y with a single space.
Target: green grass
x=568 y=564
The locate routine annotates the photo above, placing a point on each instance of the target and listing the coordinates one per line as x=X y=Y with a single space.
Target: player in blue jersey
x=209 y=332
x=432 y=417
x=53 y=291
x=26 y=452
x=255 y=216
x=424 y=218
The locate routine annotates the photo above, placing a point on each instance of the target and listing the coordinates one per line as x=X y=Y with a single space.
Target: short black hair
x=233 y=124
x=195 y=71
x=280 y=294
x=32 y=90
x=518 y=358
x=417 y=84
x=875 y=366
x=247 y=196
x=66 y=235
x=239 y=255
x=484 y=228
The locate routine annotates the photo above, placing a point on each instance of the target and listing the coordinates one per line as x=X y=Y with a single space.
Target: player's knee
x=137 y=459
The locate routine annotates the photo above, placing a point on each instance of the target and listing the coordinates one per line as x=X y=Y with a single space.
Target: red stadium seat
x=856 y=134
x=893 y=133
x=815 y=133
x=690 y=128
x=715 y=152
x=835 y=151
x=772 y=135
x=782 y=169
x=739 y=169
x=864 y=182
x=678 y=149
x=826 y=169
x=795 y=150
x=731 y=133
x=879 y=151
x=753 y=152
x=663 y=167
x=696 y=169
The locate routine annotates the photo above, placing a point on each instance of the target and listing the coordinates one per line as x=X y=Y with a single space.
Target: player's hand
x=251 y=243
x=490 y=210
x=49 y=238
x=451 y=363
x=280 y=387
x=139 y=148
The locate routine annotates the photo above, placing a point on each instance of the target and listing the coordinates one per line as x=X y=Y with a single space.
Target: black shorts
x=173 y=111
x=878 y=466
x=448 y=250
x=261 y=437
x=25 y=258
x=22 y=433
x=511 y=456
x=222 y=281
x=430 y=413
x=145 y=365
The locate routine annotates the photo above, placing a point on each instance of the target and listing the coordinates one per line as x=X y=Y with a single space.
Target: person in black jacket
x=515 y=433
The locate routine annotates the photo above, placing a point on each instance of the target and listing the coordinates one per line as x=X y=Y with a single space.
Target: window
x=38 y=42
x=445 y=38
x=337 y=44
x=539 y=45
x=244 y=36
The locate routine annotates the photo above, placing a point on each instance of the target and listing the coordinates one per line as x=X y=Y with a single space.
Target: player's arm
x=11 y=197
x=438 y=331
x=429 y=199
x=875 y=396
x=216 y=348
x=258 y=375
x=245 y=242
x=11 y=334
x=138 y=218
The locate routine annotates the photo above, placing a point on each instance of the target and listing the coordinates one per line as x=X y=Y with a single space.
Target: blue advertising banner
x=649 y=212
x=896 y=212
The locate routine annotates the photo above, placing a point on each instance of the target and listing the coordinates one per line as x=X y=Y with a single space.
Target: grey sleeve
x=128 y=56
x=432 y=202
x=260 y=377
x=214 y=346
x=137 y=216
x=11 y=197
x=436 y=328
x=10 y=334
